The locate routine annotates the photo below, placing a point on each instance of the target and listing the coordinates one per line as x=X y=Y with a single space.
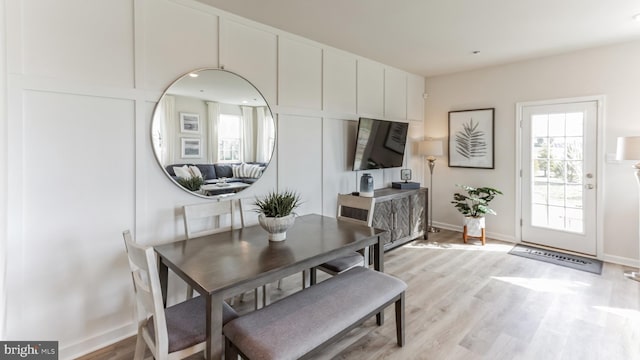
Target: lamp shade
x=430 y=148
x=628 y=148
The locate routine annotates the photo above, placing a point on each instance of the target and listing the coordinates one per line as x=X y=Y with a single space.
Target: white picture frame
x=189 y=123
x=191 y=148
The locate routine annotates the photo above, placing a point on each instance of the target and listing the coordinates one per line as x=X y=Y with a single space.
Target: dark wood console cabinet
x=403 y=213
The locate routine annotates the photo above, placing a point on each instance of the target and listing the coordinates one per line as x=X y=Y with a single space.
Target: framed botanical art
x=471 y=142
x=191 y=148
x=189 y=123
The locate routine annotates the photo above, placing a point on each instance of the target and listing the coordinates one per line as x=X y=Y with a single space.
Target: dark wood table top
x=236 y=261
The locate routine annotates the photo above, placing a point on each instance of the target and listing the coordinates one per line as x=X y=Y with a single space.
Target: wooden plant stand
x=465 y=236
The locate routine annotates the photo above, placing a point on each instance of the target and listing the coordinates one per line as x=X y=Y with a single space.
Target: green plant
x=475 y=202
x=277 y=204
x=193 y=183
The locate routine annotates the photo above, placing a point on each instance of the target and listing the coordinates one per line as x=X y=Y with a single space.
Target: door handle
x=590 y=186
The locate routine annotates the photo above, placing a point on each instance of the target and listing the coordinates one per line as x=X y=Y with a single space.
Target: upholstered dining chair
x=172 y=333
x=356 y=209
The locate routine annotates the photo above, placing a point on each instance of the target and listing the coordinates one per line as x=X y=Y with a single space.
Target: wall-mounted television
x=380 y=144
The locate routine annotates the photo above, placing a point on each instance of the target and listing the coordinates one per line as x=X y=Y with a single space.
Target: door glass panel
x=540 y=190
x=574 y=172
x=556 y=125
x=557 y=161
x=574 y=220
x=574 y=196
x=556 y=217
x=539 y=215
x=539 y=125
x=574 y=124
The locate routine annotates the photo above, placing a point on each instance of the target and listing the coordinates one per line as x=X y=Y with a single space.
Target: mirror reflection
x=213 y=133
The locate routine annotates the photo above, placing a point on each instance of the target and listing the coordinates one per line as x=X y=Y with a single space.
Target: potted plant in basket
x=276 y=212
x=474 y=205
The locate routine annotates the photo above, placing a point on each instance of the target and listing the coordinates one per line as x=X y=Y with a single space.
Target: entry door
x=559 y=175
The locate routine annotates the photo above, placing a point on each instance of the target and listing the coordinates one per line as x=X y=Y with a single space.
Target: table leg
x=163 y=273
x=378 y=265
x=266 y=292
x=213 y=349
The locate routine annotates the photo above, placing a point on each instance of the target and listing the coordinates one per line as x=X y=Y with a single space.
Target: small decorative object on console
x=405 y=174
x=366 y=185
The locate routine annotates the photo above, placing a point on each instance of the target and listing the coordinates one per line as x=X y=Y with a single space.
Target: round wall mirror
x=213 y=133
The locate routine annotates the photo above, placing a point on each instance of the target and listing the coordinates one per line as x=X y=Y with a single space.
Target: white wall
x=610 y=71
x=82 y=81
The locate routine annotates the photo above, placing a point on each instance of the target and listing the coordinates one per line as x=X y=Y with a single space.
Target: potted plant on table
x=276 y=213
x=474 y=205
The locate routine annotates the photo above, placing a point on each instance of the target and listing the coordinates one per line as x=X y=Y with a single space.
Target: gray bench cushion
x=297 y=324
x=344 y=263
x=186 y=322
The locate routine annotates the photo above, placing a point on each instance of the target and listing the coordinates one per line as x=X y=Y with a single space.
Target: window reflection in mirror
x=213 y=133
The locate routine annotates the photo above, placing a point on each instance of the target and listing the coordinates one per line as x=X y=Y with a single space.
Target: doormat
x=558 y=258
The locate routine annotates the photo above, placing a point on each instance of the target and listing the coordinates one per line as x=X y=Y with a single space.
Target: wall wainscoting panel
x=81 y=94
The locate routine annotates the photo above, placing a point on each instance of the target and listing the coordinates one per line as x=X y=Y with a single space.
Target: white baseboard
x=621 y=260
x=492 y=235
x=510 y=238
x=97 y=342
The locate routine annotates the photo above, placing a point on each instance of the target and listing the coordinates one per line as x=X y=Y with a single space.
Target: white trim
x=491 y=235
x=613 y=259
x=4 y=167
x=91 y=344
x=600 y=157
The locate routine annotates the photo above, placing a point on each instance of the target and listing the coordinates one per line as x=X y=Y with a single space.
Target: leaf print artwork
x=470 y=141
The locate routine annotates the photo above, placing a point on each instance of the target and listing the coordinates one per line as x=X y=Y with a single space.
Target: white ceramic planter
x=474 y=225
x=276 y=226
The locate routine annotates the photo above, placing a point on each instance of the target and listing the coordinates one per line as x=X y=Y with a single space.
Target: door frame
x=600 y=160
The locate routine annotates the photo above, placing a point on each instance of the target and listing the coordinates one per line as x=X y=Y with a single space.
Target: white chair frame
x=146 y=285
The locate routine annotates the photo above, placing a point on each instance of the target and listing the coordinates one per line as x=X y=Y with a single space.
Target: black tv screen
x=380 y=144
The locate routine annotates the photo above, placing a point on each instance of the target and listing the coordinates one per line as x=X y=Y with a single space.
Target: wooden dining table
x=230 y=263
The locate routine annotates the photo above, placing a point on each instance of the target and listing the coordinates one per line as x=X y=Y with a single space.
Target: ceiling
x=435 y=37
x=218 y=86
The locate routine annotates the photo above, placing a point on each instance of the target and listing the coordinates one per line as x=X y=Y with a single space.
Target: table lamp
x=628 y=148
x=431 y=148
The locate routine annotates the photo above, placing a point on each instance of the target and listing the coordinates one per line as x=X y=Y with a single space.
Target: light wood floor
x=478 y=302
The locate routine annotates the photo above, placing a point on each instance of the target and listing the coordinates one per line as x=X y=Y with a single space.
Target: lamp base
x=633 y=275
x=432 y=229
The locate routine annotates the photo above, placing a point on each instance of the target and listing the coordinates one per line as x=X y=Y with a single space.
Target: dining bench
x=299 y=325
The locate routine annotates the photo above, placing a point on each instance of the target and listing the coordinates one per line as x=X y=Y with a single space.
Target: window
x=229 y=138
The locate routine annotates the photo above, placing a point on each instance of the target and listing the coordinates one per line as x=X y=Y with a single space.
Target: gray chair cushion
x=186 y=322
x=344 y=263
x=297 y=324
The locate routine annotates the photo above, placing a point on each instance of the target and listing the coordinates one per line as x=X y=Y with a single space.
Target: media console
x=403 y=213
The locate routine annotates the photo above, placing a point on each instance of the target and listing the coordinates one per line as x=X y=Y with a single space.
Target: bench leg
x=400 y=320
x=313 y=273
x=230 y=351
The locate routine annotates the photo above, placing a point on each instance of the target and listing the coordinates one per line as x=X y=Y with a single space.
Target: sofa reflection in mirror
x=213 y=133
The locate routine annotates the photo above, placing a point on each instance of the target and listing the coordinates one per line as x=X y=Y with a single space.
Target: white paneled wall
x=339 y=83
x=395 y=94
x=81 y=91
x=300 y=74
x=300 y=159
x=370 y=89
x=241 y=45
